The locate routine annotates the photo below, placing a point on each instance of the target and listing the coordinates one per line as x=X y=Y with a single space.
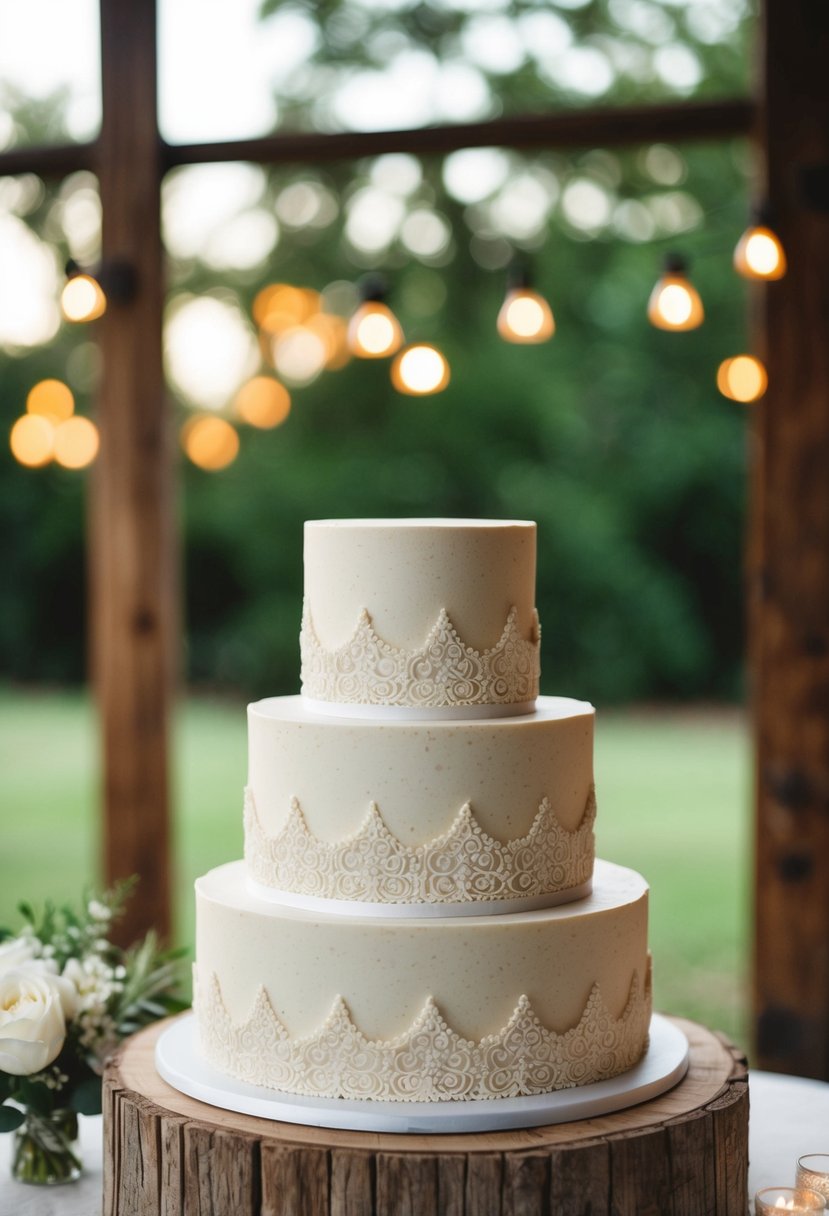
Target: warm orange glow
x=82 y=299
x=32 y=440
x=280 y=306
x=263 y=402
x=742 y=378
x=374 y=331
x=210 y=442
x=675 y=304
x=76 y=443
x=52 y=399
x=333 y=332
x=525 y=317
x=419 y=370
x=759 y=254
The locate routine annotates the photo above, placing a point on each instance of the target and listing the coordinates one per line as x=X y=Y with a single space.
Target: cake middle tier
x=471 y=1007
x=419 y=813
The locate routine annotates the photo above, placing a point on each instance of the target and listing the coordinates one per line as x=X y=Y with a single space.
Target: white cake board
x=663 y=1065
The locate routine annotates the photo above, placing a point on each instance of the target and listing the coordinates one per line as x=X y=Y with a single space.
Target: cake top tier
x=420 y=612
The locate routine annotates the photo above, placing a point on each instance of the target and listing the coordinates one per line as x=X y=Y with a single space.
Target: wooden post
x=788 y=559
x=132 y=524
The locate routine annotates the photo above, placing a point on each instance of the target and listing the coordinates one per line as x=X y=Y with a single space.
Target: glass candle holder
x=813 y=1173
x=798 y=1200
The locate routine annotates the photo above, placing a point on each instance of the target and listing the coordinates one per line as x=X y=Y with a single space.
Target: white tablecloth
x=789 y=1117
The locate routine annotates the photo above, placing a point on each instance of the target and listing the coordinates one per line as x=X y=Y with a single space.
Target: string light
x=76 y=443
x=210 y=442
x=743 y=378
x=759 y=254
x=419 y=370
x=82 y=298
x=263 y=402
x=51 y=399
x=674 y=302
x=32 y=440
x=374 y=332
x=525 y=316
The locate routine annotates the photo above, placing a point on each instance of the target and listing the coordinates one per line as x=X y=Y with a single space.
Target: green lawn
x=672 y=790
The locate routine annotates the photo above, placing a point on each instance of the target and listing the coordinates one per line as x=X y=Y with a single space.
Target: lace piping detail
x=465 y=864
x=443 y=672
x=429 y=1062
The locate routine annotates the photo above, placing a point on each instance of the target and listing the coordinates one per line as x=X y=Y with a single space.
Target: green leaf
x=86 y=1097
x=36 y=1096
x=7 y=1085
x=26 y=911
x=10 y=1118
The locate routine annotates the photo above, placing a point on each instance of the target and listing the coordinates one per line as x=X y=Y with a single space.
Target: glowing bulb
x=210 y=442
x=82 y=299
x=374 y=331
x=76 y=443
x=525 y=317
x=263 y=402
x=759 y=254
x=32 y=440
x=281 y=306
x=742 y=378
x=52 y=399
x=674 y=302
x=419 y=370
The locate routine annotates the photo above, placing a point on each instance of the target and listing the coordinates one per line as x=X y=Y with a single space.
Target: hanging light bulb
x=759 y=253
x=82 y=298
x=674 y=302
x=86 y=293
x=420 y=369
x=374 y=332
x=525 y=316
x=742 y=378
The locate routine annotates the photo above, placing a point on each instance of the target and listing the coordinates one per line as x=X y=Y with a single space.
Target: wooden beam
x=788 y=562
x=49 y=160
x=607 y=126
x=132 y=522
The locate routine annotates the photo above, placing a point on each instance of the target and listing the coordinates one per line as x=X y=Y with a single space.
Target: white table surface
x=789 y=1117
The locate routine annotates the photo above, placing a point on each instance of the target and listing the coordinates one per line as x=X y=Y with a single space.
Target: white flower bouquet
x=68 y=996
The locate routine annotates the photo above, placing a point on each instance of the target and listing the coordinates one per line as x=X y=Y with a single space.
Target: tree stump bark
x=682 y=1154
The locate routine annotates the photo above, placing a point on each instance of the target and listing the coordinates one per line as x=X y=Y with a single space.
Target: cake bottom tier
x=422 y=1010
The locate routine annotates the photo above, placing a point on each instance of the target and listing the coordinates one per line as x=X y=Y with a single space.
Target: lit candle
x=813 y=1172
x=776 y=1199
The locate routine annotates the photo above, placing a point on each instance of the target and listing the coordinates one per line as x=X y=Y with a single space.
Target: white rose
x=16 y=951
x=32 y=1020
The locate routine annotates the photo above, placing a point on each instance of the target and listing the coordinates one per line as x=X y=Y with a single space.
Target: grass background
x=672 y=791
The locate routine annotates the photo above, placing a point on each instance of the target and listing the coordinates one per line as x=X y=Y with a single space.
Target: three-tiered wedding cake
x=418 y=916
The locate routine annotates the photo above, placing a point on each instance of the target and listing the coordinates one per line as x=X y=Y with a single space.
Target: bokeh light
x=420 y=369
x=525 y=317
x=374 y=331
x=280 y=306
x=32 y=440
x=210 y=349
x=82 y=299
x=210 y=442
x=742 y=378
x=263 y=402
x=675 y=304
x=76 y=443
x=299 y=355
x=759 y=255
x=51 y=399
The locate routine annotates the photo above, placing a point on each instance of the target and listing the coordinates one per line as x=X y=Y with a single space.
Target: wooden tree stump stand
x=682 y=1154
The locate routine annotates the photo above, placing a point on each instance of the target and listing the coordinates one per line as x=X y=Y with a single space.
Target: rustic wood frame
x=133 y=554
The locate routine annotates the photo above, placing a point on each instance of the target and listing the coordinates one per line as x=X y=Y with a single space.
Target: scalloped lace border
x=444 y=671
x=464 y=864
x=429 y=1062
